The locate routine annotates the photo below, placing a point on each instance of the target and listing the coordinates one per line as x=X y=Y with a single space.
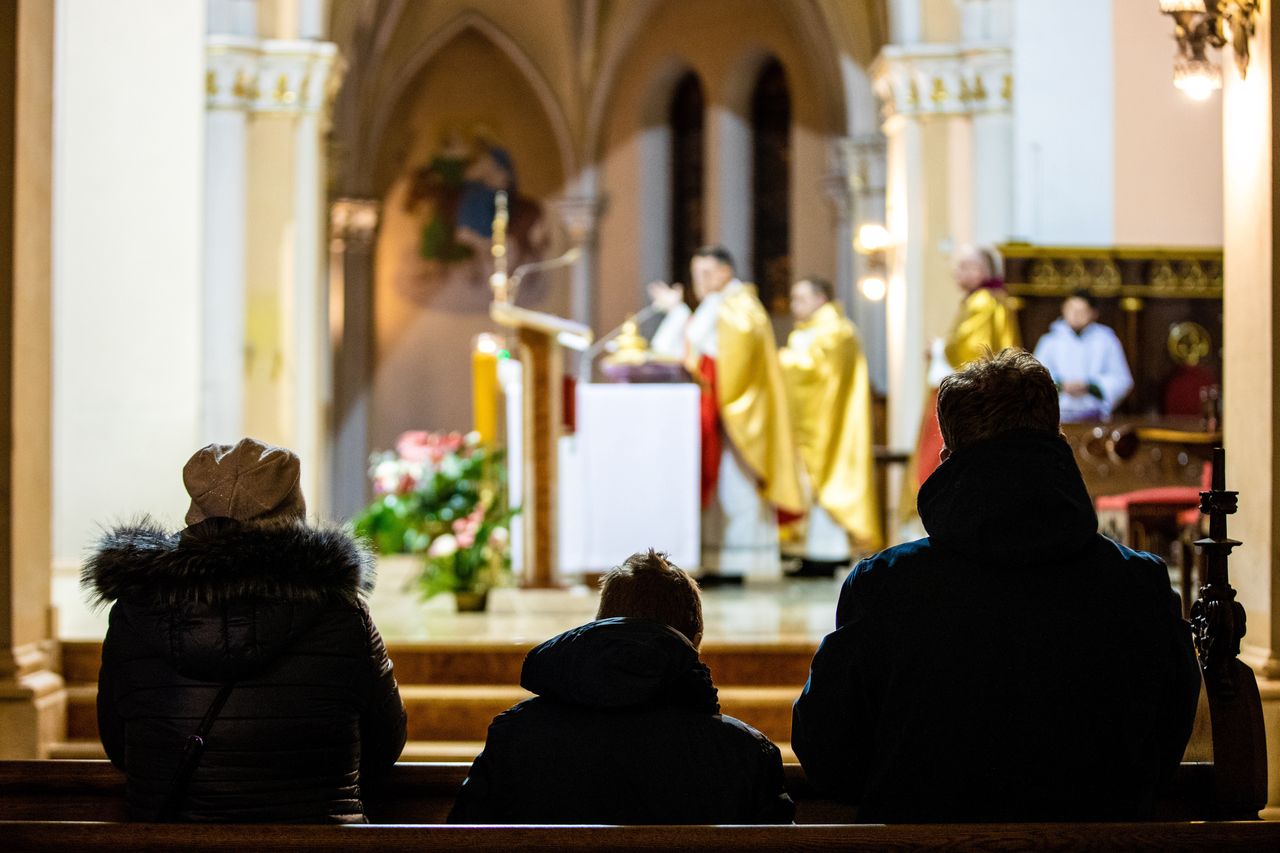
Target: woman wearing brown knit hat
x=242 y=677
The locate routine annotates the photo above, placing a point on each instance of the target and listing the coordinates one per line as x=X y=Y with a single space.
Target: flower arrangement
x=444 y=496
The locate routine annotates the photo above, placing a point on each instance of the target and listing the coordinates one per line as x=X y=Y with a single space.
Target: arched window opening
x=771 y=186
x=686 y=119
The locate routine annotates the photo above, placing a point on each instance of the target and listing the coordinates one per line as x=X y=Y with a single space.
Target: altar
x=628 y=474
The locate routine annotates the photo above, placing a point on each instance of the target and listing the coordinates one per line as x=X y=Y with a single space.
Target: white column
x=229 y=79
x=294 y=77
x=989 y=78
x=904 y=315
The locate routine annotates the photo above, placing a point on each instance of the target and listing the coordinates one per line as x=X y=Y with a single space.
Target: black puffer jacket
x=1015 y=665
x=626 y=729
x=277 y=610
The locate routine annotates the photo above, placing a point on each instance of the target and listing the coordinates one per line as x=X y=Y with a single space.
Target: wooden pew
x=78 y=837
x=419 y=793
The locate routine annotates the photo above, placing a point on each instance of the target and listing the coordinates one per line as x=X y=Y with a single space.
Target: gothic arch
x=388 y=100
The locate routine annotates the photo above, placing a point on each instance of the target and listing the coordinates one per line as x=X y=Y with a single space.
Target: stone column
x=32 y=694
x=989 y=80
x=580 y=213
x=230 y=81
x=864 y=159
x=353 y=225
x=294 y=78
x=931 y=94
x=1251 y=361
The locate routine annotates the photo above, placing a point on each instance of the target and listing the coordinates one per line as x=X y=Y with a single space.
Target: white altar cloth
x=629 y=476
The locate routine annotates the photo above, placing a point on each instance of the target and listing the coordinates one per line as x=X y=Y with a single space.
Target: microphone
x=569 y=258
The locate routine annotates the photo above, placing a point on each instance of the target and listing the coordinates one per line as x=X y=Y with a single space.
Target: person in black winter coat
x=626 y=727
x=1015 y=665
x=246 y=595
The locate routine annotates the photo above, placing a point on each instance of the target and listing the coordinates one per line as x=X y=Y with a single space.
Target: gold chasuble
x=752 y=400
x=985 y=320
x=829 y=390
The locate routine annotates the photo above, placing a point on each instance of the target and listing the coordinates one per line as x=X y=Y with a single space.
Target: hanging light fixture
x=1201 y=24
x=873 y=241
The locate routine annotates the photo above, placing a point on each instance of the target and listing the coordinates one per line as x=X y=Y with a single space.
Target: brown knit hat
x=249 y=481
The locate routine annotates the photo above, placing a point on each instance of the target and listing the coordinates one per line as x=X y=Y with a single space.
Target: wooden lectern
x=541 y=337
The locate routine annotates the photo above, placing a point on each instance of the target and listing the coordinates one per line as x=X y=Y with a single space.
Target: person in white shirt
x=1086 y=360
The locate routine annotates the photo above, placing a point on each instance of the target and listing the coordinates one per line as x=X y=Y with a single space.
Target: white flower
x=444 y=545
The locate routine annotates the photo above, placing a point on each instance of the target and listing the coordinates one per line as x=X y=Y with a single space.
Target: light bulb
x=1198 y=79
x=872 y=237
x=873 y=287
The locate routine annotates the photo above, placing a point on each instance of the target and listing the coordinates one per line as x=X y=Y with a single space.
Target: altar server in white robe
x=1086 y=360
x=749 y=469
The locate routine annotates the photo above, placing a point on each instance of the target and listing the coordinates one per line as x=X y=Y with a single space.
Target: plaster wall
x=1064 y=122
x=1168 y=148
x=128 y=171
x=422 y=376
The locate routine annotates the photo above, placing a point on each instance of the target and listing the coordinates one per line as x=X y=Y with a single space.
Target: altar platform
x=458 y=670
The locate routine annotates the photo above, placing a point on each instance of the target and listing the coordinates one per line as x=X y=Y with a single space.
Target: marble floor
x=788 y=611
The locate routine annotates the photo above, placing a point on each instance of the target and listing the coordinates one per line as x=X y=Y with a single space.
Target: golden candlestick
x=498 y=280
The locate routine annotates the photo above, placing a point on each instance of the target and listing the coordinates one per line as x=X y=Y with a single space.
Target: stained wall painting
x=470 y=126
x=452 y=198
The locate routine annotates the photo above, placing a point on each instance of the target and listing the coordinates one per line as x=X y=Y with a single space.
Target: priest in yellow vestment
x=829 y=390
x=985 y=322
x=749 y=469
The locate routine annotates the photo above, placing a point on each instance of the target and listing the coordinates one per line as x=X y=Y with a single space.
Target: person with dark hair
x=829 y=390
x=749 y=469
x=985 y=324
x=1086 y=360
x=626 y=725
x=1016 y=665
x=242 y=677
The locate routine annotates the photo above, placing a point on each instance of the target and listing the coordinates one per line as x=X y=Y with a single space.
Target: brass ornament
x=1189 y=343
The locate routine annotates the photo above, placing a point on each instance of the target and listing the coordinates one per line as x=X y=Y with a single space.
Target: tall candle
x=484 y=386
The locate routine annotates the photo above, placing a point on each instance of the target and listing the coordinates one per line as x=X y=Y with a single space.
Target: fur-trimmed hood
x=221 y=560
x=221 y=599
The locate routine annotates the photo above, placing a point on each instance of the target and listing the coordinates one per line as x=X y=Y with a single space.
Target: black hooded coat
x=625 y=729
x=1014 y=666
x=276 y=609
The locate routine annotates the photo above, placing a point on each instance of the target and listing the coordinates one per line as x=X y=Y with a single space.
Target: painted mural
x=452 y=199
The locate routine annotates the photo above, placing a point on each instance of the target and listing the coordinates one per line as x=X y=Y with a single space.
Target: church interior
x=425 y=244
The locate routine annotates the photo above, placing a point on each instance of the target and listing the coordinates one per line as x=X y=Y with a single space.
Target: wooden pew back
x=81 y=837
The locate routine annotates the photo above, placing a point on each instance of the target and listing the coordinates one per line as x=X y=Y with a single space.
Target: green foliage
x=444 y=497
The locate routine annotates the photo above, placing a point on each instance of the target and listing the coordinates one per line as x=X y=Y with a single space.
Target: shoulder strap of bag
x=191 y=754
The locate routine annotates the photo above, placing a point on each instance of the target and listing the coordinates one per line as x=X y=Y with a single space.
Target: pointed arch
x=402 y=81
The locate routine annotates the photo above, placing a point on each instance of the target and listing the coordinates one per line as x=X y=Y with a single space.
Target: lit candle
x=484 y=386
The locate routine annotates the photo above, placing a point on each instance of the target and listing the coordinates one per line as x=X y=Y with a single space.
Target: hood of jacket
x=621 y=663
x=221 y=599
x=1014 y=499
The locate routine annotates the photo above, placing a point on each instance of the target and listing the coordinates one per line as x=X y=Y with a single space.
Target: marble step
x=463 y=712
x=780 y=664
x=414 y=750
